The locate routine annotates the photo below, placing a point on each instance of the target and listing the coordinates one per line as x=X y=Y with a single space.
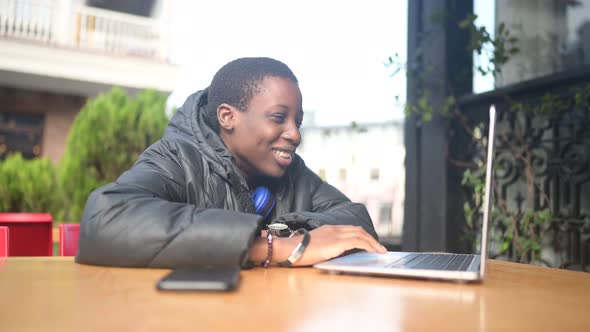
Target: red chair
x=68 y=239
x=30 y=233
x=3 y=241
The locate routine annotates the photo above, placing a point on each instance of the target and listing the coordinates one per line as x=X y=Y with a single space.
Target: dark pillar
x=440 y=63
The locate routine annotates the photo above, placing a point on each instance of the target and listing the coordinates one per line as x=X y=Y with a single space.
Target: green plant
x=497 y=50
x=28 y=185
x=518 y=234
x=106 y=138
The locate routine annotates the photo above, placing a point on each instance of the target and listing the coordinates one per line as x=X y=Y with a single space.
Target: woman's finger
x=360 y=234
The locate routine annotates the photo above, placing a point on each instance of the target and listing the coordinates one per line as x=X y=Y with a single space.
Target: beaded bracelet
x=269 y=238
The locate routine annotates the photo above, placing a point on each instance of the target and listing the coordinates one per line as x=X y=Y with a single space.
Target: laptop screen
x=487 y=204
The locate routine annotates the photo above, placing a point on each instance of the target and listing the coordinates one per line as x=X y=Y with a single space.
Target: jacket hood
x=191 y=120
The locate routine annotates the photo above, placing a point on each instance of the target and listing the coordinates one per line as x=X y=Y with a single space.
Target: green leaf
x=504 y=247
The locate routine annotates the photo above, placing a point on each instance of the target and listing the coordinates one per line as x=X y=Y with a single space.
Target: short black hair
x=239 y=80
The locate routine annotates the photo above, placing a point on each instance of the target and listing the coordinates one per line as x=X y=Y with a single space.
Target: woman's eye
x=279 y=118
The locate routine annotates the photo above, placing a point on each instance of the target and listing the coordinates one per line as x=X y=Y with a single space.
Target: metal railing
x=64 y=23
x=542 y=163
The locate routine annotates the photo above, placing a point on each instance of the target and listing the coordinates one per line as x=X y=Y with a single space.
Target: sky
x=337 y=50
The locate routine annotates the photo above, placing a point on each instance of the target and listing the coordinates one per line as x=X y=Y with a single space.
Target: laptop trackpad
x=368 y=259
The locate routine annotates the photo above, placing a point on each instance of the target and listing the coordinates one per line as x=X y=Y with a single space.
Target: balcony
x=63 y=46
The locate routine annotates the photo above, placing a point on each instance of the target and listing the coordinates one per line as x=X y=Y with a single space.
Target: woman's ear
x=226 y=116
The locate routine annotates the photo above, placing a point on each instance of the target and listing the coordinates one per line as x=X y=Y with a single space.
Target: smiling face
x=263 y=138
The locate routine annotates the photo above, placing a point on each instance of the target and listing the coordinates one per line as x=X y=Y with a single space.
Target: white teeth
x=282 y=154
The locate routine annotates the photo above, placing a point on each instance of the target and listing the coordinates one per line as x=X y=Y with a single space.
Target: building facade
x=366 y=163
x=54 y=54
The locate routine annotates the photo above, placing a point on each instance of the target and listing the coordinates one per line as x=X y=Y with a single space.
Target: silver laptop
x=444 y=266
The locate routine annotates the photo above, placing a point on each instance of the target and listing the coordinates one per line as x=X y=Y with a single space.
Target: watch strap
x=299 y=250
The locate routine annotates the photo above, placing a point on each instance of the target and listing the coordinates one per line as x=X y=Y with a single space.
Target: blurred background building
x=365 y=162
x=54 y=54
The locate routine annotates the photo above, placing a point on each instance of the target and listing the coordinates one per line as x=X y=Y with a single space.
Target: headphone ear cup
x=264 y=201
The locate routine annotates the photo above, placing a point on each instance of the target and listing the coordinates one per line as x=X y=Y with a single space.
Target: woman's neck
x=256 y=181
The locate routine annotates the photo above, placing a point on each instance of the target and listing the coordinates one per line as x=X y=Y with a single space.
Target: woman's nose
x=292 y=134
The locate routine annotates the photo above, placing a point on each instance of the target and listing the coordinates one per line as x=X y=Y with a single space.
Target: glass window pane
x=553 y=36
x=21 y=132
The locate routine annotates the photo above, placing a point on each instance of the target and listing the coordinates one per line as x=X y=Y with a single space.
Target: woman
x=187 y=201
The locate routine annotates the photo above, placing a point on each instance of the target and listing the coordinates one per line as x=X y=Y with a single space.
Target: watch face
x=277 y=227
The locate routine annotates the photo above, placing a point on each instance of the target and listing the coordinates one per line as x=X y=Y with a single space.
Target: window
x=374 y=174
x=552 y=36
x=21 y=133
x=385 y=213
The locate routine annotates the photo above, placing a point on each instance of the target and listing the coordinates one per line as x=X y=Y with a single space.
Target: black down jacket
x=184 y=203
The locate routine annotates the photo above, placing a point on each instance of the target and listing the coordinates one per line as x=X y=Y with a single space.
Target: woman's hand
x=327 y=242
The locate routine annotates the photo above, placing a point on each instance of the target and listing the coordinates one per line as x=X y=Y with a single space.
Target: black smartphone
x=201 y=278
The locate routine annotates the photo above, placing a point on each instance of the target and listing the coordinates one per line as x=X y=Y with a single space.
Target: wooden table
x=55 y=294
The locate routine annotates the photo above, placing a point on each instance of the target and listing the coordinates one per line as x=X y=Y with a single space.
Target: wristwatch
x=278 y=229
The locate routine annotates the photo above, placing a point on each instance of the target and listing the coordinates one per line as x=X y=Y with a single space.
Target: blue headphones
x=264 y=201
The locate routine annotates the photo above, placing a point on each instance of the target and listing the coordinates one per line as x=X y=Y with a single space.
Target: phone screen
x=201 y=278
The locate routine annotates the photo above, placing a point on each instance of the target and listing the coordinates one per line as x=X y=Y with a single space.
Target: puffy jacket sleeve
x=141 y=220
x=318 y=203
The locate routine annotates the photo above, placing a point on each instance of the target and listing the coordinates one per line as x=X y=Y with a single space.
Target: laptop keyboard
x=447 y=262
